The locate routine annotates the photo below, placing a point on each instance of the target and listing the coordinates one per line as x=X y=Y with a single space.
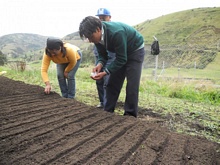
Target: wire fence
x=197 y=62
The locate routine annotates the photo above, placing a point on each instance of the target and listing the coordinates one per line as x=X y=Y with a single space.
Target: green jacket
x=121 y=39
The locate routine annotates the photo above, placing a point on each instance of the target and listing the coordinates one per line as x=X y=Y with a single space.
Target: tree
x=3 y=58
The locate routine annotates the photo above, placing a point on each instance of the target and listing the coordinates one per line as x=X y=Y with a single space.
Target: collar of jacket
x=102 y=37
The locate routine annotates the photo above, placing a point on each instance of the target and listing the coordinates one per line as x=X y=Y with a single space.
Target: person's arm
x=44 y=68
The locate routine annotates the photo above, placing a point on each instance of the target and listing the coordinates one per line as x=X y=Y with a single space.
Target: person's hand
x=98 y=76
x=97 y=68
x=47 y=89
x=66 y=74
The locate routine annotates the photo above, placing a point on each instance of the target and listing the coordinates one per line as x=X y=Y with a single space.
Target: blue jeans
x=68 y=85
x=102 y=83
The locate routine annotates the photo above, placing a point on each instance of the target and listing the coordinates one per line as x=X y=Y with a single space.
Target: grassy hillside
x=192 y=27
x=187 y=39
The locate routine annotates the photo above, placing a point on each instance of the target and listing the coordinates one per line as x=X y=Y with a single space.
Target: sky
x=58 y=18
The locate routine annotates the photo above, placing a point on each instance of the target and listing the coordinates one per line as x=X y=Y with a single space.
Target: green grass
x=189 y=107
x=180 y=27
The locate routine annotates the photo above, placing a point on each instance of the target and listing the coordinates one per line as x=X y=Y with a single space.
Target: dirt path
x=39 y=129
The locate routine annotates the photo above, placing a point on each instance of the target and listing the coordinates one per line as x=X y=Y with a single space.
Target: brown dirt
x=47 y=129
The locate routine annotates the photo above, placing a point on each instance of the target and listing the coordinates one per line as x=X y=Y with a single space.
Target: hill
x=22 y=45
x=190 y=27
x=187 y=39
x=193 y=33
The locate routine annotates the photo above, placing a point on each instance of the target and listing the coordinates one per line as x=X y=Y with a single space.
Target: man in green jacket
x=128 y=45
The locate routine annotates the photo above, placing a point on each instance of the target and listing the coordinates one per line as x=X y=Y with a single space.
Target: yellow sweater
x=71 y=57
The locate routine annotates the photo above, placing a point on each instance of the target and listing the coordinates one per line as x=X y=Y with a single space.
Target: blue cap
x=103 y=11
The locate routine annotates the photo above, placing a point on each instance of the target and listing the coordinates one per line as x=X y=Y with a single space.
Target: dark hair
x=55 y=43
x=63 y=50
x=88 y=26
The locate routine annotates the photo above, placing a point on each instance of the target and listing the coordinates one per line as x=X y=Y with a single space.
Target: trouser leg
x=100 y=89
x=133 y=75
x=67 y=85
x=111 y=58
x=113 y=89
x=71 y=78
x=72 y=81
x=62 y=80
x=106 y=78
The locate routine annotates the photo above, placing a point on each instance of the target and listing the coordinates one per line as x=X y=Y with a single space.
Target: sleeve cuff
x=107 y=71
x=100 y=64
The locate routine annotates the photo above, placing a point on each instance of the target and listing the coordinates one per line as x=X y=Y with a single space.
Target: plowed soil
x=39 y=129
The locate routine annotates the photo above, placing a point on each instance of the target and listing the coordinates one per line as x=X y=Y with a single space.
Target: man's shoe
x=100 y=105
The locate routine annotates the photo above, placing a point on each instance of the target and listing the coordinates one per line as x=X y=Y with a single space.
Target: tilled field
x=38 y=129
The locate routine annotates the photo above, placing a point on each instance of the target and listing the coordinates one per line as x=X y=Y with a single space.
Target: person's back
x=117 y=30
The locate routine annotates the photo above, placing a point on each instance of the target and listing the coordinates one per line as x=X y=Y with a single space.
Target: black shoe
x=129 y=114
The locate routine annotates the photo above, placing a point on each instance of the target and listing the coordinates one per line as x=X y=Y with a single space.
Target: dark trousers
x=132 y=72
x=100 y=89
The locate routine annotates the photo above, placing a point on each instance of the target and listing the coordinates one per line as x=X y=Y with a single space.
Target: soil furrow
x=199 y=151
x=175 y=145
x=15 y=109
x=15 y=97
x=47 y=129
x=42 y=141
x=39 y=123
x=35 y=114
x=95 y=145
x=46 y=133
x=77 y=151
x=71 y=141
x=159 y=153
x=10 y=109
x=132 y=153
x=124 y=144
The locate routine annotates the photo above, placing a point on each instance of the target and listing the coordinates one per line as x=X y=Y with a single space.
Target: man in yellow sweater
x=68 y=58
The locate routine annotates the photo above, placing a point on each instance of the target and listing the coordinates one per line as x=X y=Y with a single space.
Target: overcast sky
x=61 y=17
